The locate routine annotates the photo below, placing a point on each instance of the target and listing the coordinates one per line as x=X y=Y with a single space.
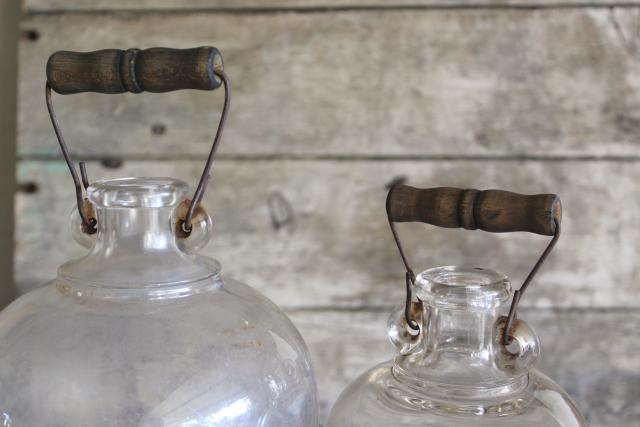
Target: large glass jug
x=143 y=331
x=460 y=362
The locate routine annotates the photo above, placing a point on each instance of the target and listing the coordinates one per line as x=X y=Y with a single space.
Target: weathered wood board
x=329 y=244
x=480 y=82
x=594 y=355
x=73 y=5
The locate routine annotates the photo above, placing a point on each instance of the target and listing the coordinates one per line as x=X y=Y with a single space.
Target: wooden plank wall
x=333 y=101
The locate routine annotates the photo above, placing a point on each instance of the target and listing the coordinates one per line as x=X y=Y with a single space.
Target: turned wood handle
x=496 y=211
x=158 y=69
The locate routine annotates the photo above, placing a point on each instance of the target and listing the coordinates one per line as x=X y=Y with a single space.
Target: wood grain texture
x=114 y=71
x=593 y=355
x=496 y=211
x=485 y=82
x=314 y=233
x=74 y=5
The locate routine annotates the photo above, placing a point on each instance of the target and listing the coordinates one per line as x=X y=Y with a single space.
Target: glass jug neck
x=466 y=333
x=134 y=214
x=136 y=249
x=134 y=230
x=457 y=348
x=461 y=308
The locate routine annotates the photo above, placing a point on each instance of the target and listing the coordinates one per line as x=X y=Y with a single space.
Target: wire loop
x=517 y=295
x=89 y=225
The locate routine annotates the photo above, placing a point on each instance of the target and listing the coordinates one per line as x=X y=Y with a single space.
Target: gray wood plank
x=84 y=5
x=551 y=82
x=593 y=355
x=335 y=250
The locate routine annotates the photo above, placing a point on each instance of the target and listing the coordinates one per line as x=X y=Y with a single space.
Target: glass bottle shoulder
x=221 y=351
x=229 y=307
x=378 y=399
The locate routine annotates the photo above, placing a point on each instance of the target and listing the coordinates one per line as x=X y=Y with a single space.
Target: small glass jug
x=460 y=362
x=143 y=331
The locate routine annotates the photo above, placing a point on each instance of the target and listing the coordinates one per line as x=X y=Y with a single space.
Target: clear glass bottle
x=142 y=331
x=455 y=371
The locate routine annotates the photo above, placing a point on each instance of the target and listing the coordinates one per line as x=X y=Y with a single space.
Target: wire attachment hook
x=410 y=279
x=517 y=295
x=88 y=224
x=204 y=178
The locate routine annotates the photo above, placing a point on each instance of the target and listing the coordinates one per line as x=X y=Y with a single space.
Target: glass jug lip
x=462 y=286
x=137 y=192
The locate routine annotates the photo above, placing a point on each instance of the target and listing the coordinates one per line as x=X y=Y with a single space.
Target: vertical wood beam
x=9 y=17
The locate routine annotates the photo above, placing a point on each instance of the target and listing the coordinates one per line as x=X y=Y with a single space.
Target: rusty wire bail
x=410 y=278
x=89 y=224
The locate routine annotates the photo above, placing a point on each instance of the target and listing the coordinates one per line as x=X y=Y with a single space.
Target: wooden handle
x=157 y=69
x=496 y=211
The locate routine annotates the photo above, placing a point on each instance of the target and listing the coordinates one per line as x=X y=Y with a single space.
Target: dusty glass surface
x=455 y=371
x=144 y=332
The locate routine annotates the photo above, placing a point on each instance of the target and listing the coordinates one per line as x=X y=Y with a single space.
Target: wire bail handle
x=113 y=71
x=494 y=211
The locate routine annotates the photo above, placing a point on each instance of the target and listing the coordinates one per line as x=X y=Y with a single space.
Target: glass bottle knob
x=521 y=355
x=75 y=224
x=401 y=335
x=201 y=228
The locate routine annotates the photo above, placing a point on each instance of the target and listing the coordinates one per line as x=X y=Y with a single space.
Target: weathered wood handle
x=496 y=211
x=157 y=69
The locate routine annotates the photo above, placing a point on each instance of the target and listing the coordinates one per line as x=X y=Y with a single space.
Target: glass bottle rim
x=137 y=192
x=463 y=286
